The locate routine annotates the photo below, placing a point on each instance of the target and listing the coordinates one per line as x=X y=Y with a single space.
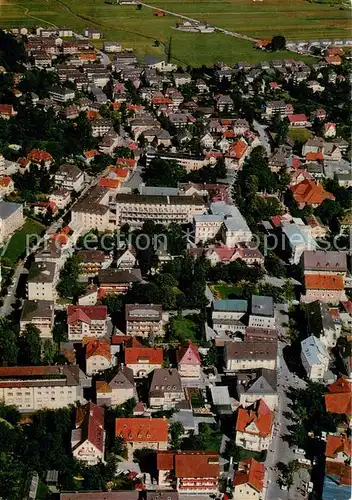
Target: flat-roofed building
x=42 y=280
x=11 y=219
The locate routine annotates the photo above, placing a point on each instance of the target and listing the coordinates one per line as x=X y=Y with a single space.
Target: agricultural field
x=138 y=29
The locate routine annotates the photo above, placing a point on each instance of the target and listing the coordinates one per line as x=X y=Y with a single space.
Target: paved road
x=279 y=450
x=263 y=136
x=225 y=31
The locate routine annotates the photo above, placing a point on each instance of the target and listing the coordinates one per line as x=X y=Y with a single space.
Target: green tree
x=163 y=173
x=176 y=431
x=30 y=346
x=278 y=43
x=282 y=131
x=69 y=287
x=49 y=352
x=8 y=342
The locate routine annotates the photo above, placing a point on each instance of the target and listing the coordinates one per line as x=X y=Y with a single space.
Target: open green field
x=136 y=29
x=17 y=245
x=300 y=134
x=224 y=291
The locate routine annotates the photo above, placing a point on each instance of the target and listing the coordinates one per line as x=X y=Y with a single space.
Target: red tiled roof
x=165 y=460
x=238 y=149
x=335 y=51
x=347 y=305
x=91 y=153
x=261 y=416
x=310 y=193
x=339 y=397
x=135 y=430
x=37 y=155
x=6 y=109
x=126 y=162
x=90 y=418
x=97 y=347
x=344 y=472
x=224 y=253
x=188 y=355
x=333 y=59
x=148 y=355
x=314 y=156
x=190 y=464
x=107 y=182
x=324 y=282
x=86 y=313
x=329 y=125
x=250 y=472
x=5 y=181
x=297 y=118
x=337 y=444
x=119 y=339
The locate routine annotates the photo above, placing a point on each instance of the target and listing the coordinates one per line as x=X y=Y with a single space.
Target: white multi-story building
x=92 y=211
x=144 y=320
x=254 y=426
x=315 y=358
x=223 y=220
x=86 y=321
x=61 y=94
x=32 y=388
x=39 y=313
x=262 y=312
x=11 y=219
x=250 y=355
x=69 y=177
x=227 y=315
x=42 y=280
x=118 y=389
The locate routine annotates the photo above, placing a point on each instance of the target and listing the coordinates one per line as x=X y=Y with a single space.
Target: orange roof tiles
x=6 y=109
x=91 y=153
x=135 y=430
x=108 y=183
x=314 y=156
x=238 y=149
x=261 y=416
x=191 y=464
x=86 y=313
x=38 y=155
x=297 y=118
x=335 y=51
x=126 y=162
x=309 y=192
x=97 y=347
x=324 y=282
x=87 y=56
x=250 y=472
x=145 y=355
x=338 y=444
x=5 y=181
x=90 y=418
x=92 y=115
x=339 y=397
x=333 y=59
x=165 y=460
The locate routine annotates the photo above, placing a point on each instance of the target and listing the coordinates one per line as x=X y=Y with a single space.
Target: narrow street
x=263 y=135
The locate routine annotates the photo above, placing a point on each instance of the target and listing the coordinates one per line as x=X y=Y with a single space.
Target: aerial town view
x=175 y=257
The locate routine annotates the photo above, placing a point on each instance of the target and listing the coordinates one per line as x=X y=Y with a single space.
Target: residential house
x=317 y=228
x=181 y=79
x=42 y=281
x=315 y=358
x=112 y=47
x=328 y=288
x=248 y=480
x=101 y=495
x=280 y=108
x=254 y=426
x=310 y=193
x=188 y=361
x=92 y=261
x=299 y=120
x=127 y=259
x=88 y=437
x=320 y=323
x=61 y=94
x=61 y=197
x=93 y=34
x=69 y=177
x=138 y=433
x=324 y=262
x=39 y=313
x=189 y=472
x=118 y=389
x=101 y=127
x=98 y=355
x=297 y=240
x=207 y=141
x=40 y=158
x=33 y=388
x=144 y=320
x=165 y=390
x=7 y=186
x=258 y=384
x=338 y=449
x=338 y=399
x=262 y=312
x=7 y=111
x=329 y=130
x=250 y=355
x=11 y=219
x=228 y=317
x=142 y=360
x=224 y=103
x=236 y=154
x=86 y=321
x=117 y=280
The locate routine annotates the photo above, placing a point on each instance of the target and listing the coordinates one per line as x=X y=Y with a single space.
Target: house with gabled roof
x=338 y=448
x=165 y=390
x=338 y=399
x=142 y=360
x=88 y=437
x=254 y=426
x=188 y=361
x=138 y=433
x=248 y=480
x=86 y=321
x=258 y=384
x=117 y=389
x=98 y=355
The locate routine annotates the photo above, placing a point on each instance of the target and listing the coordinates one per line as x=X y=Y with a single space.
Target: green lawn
x=17 y=244
x=300 y=134
x=224 y=291
x=138 y=29
x=182 y=329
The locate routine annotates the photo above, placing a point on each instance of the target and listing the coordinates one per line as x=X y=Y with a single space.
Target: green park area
x=16 y=247
x=138 y=29
x=224 y=291
x=300 y=134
